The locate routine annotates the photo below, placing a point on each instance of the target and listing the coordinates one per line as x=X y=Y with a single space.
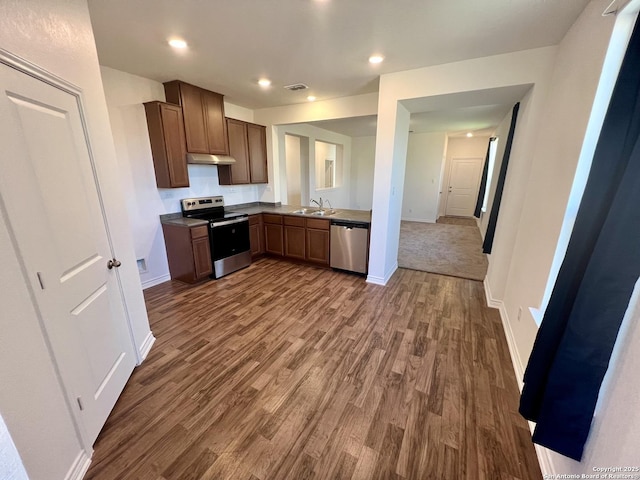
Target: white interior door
x=464 y=181
x=49 y=191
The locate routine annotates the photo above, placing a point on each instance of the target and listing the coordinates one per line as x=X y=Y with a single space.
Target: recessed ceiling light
x=264 y=82
x=469 y=135
x=177 y=43
x=376 y=59
x=311 y=98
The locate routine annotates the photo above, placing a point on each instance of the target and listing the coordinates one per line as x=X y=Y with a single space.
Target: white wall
x=422 y=177
x=10 y=462
x=292 y=154
x=556 y=150
x=530 y=67
x=338 y=196
x=125 y=94
x=347 y=107
x=363 y=156
x=568 y=115
x=56 y=36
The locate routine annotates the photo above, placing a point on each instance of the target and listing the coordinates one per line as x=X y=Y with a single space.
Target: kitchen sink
x=314 y=212
x=323 y=212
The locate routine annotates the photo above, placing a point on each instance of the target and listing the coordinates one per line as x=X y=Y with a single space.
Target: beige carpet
x=452 y=246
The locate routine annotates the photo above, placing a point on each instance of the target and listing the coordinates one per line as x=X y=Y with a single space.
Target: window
x=328 y=158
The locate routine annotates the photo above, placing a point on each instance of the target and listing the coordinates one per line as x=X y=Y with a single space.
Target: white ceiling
x=322 y=43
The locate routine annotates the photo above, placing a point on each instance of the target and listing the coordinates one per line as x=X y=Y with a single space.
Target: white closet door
x=48 y=188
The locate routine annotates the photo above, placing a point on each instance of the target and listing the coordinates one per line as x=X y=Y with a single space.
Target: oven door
x=229 y=237
x=230 y=248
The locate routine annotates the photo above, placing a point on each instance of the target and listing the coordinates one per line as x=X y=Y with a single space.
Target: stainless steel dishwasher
x=349 y=245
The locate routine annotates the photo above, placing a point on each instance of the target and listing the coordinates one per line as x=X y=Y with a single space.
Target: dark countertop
x=342 y=214
x=178 y=219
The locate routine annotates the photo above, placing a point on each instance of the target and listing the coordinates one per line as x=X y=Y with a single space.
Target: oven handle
x=229 y=222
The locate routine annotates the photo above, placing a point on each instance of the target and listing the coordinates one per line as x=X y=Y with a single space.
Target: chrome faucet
x=320 y=204
x=329 y=203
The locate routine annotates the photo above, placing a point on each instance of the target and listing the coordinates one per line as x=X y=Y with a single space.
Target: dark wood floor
x=283 y=371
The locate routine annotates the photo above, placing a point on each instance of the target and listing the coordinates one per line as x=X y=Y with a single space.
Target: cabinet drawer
x=295 y=221
x=199 y=232
x=318 y=223
x=271 y=218
x=255 y=219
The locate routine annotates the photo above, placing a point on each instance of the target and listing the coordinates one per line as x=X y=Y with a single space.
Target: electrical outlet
x=519 y=313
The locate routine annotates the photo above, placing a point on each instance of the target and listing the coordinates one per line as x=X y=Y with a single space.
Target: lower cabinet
x=297 y=238
x=317 y=240
x=273 y=234
x=256 y=235
x=294 y=235
x=188 y=252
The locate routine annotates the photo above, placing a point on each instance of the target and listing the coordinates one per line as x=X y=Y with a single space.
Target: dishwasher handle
x=349 y=225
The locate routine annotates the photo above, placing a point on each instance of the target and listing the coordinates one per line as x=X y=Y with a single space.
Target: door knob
x=113 y=263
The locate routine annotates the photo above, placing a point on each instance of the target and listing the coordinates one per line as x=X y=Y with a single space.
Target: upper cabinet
x=166 y=134
x=248 y=145
x=204 y=121
x=257 y=139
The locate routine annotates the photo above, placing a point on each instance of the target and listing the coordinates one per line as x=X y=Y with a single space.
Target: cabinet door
x=257 y=140
x=194 y=118
x=202 y=257
x=238 y=149
x=166 y=135
x=318 y=246
x=294 y=244
x=273 y=239
x=255 y=238
x=215 y=123
x=174 y=145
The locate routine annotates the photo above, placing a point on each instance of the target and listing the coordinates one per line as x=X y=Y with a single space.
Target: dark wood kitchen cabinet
x=167 y=137
x=248 y=145
x=318 y=238
x=188 y=252
x=273 y=234
x=257 y=140
x=256 y=235
x=294 y=238
x=238 y=173
x=298 y=238
x=204 y=120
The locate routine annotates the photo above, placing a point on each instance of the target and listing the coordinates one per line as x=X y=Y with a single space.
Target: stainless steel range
x=228 y=233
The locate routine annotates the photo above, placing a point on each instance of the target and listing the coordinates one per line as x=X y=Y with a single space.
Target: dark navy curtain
x=574 y=343
x=483 y=181
x=502 y=178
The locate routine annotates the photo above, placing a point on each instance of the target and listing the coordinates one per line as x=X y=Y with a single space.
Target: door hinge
x=80 y=403
x=40 y=280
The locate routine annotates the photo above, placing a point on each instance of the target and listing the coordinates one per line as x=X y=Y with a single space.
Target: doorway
x=463 y=185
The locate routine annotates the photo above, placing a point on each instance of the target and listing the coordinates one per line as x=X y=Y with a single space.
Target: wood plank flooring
x=284 y=371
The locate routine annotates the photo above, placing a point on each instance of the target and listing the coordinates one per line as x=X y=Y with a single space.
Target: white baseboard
x=145 y=348
x=79 y=467
x=506 y=325
x=155 y=281
x=543 y=454
x=383 y=280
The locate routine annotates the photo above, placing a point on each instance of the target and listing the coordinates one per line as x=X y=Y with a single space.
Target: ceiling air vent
x=296 y=86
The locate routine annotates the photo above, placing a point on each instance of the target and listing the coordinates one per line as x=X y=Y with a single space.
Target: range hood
x=204 y=159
